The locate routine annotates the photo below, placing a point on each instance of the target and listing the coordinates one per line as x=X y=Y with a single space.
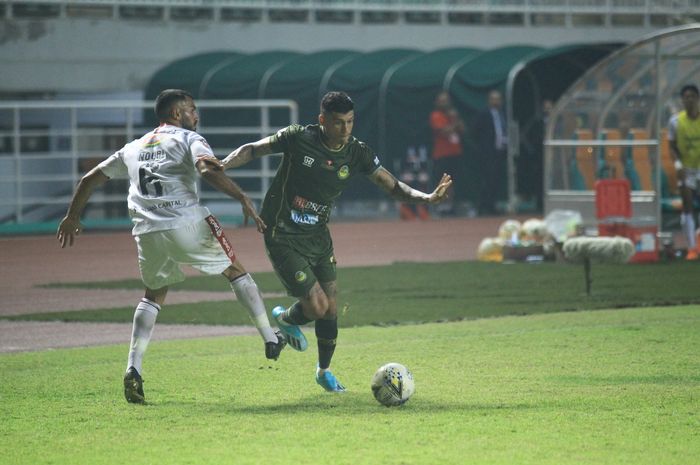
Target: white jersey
x=163 y=178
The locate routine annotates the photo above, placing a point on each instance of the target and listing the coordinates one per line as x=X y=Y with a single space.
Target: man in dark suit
x=492 y=146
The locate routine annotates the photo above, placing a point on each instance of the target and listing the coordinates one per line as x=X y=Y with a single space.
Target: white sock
x=688 y=223
x=249 y=296
x=144 y=320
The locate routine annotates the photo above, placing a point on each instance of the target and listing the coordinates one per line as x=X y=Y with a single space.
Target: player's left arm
x=215 y=176
x=404 y=193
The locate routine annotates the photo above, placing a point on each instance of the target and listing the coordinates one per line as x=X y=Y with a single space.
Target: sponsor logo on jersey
x=218 y=232
x=300 y=276
x=168 y=204
x=152 y=142
x=304 y=204
x=215 y=226
x=344 y=172
x=308 y=161
x=304 y=218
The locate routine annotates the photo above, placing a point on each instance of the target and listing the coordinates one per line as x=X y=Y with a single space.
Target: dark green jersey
x=310 y=178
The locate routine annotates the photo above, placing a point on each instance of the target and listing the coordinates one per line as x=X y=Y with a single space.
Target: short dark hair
x=167 y=99
x=690 y=87
x=336 y=102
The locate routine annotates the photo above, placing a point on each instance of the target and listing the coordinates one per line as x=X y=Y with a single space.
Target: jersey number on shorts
x=149 y=185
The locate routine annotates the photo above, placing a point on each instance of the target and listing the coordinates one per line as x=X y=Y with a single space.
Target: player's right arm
x=223 y=183
x=70 y=226
x=248 y=152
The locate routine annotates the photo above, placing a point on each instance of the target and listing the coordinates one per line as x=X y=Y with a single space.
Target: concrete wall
x=79 y=55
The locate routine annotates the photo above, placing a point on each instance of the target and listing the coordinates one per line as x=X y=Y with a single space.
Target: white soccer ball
x=393 y=384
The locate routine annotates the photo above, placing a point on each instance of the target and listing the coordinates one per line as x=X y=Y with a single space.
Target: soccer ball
x=393 y=384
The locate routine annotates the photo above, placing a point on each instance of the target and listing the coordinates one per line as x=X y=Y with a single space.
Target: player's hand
x=68 y=228
x=250 y=212
x=440 y=192
x=211 y=162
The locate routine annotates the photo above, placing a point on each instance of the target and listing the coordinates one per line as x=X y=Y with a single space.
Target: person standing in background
x=492 y=145
x=684 y=141
x=448 y=129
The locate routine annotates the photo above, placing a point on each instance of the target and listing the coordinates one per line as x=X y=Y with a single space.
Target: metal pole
x=18 y=164
x=513 y=134
x=659 y=106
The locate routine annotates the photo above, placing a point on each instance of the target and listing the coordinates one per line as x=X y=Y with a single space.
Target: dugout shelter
x=612 y=124
x=393 y=89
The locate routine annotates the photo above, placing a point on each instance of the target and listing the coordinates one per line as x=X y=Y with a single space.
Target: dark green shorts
x=302 y=261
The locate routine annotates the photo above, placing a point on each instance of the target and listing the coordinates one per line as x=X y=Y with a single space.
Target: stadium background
x=392 y=57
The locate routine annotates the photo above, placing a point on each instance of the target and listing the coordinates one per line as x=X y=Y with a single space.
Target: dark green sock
x=295 y=315
x=326 y=334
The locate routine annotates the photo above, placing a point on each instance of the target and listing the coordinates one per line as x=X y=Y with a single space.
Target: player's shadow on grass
x=348 y=403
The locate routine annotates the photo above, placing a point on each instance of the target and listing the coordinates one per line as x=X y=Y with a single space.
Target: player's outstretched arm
x=404 y=193
x=246 y=153
x=70 y=226
x=218 y=179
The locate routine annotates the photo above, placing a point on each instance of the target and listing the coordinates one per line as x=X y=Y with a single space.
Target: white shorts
x=201 y=245
x=691 y=177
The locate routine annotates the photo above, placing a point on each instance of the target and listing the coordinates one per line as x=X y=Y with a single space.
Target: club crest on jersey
x=308 y=161
x=300 y=276
x=344 y=172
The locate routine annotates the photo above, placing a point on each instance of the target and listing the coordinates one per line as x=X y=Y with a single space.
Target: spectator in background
x=683 y=138
x=492 y=145
x=531 y=160
x=447 y=155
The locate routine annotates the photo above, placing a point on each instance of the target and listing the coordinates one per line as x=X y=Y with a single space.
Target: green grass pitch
x=572 y=387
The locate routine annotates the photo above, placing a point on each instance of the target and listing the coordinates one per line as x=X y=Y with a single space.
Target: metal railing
x=45 y=147
x=515 y=6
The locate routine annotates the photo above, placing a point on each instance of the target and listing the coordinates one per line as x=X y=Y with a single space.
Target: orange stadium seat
x=641 y=162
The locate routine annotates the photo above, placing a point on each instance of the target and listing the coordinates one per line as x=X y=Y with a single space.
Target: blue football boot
x=295 y=338
x=328 y=382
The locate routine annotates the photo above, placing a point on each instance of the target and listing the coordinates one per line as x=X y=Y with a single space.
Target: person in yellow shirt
x=684 y=140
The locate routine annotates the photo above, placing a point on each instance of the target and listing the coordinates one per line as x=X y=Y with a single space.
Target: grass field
x=604 y=387
x=412 y=292
x=560 y=387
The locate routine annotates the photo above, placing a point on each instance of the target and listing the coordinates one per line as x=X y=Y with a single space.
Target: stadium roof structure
x=393 y=89
x=611 y=123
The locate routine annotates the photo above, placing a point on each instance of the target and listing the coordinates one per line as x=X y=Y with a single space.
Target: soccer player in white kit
x=171 y=228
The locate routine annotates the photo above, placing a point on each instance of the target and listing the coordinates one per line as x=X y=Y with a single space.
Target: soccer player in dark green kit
x=318 y=162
